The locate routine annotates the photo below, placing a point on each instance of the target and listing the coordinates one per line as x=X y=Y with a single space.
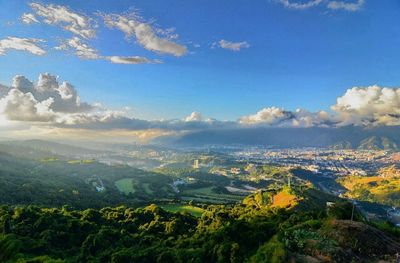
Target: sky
x=183 y=65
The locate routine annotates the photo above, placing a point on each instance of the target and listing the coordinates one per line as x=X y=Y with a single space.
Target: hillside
x=383 y=190
x=377 y=143
x=239 y=233
x=301 y=198
x=78 y=183
x=53 y=147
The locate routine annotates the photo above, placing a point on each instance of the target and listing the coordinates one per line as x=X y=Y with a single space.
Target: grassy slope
x=373 y=188
x=125 y=185
x=174 y=208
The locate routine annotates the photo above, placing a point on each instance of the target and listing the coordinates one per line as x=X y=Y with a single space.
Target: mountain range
x=349 y=137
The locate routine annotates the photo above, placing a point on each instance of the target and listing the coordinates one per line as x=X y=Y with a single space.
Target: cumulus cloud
x=29 y=18
x=145 y=34
x=348 y=6
x=44 y=102
x=69 y=20
x=234 y=46
x=30 y=45
x=81 y=49
x=19 y=106
x=304 y=118
x=270 y=116
x=371 y=105
x=194 y=116
x=274 y=116
x=294 y=4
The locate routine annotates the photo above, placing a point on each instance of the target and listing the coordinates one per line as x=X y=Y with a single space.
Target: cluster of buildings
x=329 y=162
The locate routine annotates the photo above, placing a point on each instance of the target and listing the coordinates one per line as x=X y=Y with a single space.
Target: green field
x=175 y=208
x=125 y=185
x=207 y=195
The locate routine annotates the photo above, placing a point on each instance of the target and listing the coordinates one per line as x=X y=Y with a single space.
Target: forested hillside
x=239 y=233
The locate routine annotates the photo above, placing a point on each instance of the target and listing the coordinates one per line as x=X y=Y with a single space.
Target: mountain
x=377 y=143
x=52 y=147
x=388 y=137
x=342 y=145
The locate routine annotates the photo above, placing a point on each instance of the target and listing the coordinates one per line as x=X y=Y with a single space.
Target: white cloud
x=30 y=45
x=78 y=24
x=29 y=18
x=132 y=60
x=59 y=98
x=81 y=49
x=304 y=118
x=352 y=6
x=194 y=116
x=274 y=116
x=300 y=4
x=19 y=106
x=145 y=34
x=371 y=105
x=270 y=116
x=234 y=46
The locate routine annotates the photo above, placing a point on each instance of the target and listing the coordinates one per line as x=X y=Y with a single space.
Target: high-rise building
x=196 y=164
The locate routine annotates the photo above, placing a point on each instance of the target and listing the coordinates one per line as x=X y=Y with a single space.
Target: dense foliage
x=240 y=233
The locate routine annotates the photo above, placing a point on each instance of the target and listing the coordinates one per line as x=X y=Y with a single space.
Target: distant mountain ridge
x=370 y=143
x=387 y=137
x=52 y=147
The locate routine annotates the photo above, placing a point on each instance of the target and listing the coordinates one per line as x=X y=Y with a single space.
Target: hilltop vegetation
x=238 y=233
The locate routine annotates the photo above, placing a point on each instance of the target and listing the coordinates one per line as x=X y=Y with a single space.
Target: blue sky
x=296 y=58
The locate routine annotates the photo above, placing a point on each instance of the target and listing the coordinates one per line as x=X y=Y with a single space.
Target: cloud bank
x=280 y=117
x=52 y=103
